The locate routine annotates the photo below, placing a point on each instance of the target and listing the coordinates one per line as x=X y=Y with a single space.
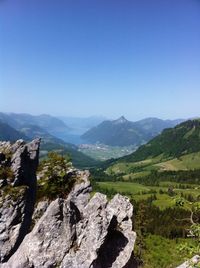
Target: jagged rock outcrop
x=18 y=165
x=101 y=237
x=70 y=232
x=191 y=263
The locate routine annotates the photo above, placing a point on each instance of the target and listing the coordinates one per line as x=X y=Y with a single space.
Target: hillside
x=48 y=142
x=34 y=131
x=49 y=123
x=122 y=132
x=174 y=149
x=174 y=142
x=8 y=133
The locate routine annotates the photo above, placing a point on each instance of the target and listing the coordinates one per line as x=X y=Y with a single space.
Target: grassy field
x=137 y=192
x=163 y=252
x=143 y=168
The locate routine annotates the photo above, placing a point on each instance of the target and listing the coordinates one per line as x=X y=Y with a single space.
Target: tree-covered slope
x=174 y=142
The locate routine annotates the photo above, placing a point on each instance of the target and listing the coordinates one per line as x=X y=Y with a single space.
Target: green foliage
x=6 y=173
x=181 y=176
x=14 y=192
x=78 y=159
x=161 y=252
x=194 y=229
x=56 y=181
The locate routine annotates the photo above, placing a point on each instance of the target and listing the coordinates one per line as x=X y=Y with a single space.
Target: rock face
x=98 y=236
x=19 y=161
x=25 y=162
x=75 y=232
x=191 y=263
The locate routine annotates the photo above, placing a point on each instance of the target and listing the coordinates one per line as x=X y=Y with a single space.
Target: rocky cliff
x=73 y=230
x=18 y=164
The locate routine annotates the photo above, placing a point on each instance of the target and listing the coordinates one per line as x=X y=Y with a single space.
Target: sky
x=136 y=58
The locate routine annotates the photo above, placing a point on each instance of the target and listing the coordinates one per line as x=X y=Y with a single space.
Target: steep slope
x=174 y=142
x=49 y=123
x=122 y=132
x=118 y=132
x=175 y=149
x=10 y=134
x=153 y=126
x=34 y=131
x=17 y=193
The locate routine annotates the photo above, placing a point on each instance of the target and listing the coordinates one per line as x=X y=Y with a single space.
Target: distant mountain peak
x=120 y=120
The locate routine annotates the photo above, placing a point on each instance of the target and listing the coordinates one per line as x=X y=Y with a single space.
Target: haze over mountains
x=57 y=135
x=9 y=133
x=27 y=127
x=122 y=132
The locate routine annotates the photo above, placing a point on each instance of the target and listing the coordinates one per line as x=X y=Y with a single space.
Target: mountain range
x=174 y=149
x=49 y=123
x=122 y=132
x=28 y=127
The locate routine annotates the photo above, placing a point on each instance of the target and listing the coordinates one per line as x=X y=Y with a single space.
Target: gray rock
x=80 y=194
x=13 y=224
x=66 y=237
x=24 y=162
x=104 y=236
x=40 y=210
x=17 y=203
x=69 y=233
x=191 y=263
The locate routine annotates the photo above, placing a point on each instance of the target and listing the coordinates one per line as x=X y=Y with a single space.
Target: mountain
x=50 y=142
x=8 y=133
x=27 y=131
x=49 y=123
x=34 y=131
x=122 y=132
x=174 y=155
x=173 y=142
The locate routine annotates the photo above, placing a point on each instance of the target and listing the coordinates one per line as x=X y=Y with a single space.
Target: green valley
x=162 y=178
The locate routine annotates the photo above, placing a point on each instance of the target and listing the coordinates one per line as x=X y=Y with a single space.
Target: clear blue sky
x=138 y=58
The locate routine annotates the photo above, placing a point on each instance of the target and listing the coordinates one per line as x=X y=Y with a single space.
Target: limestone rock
x=40 y=210
x=70 y=232
x=191 y=263
x=68 y=237
x=13 y=223
x=24 y=162
x=80 y=194
x=17 y=203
